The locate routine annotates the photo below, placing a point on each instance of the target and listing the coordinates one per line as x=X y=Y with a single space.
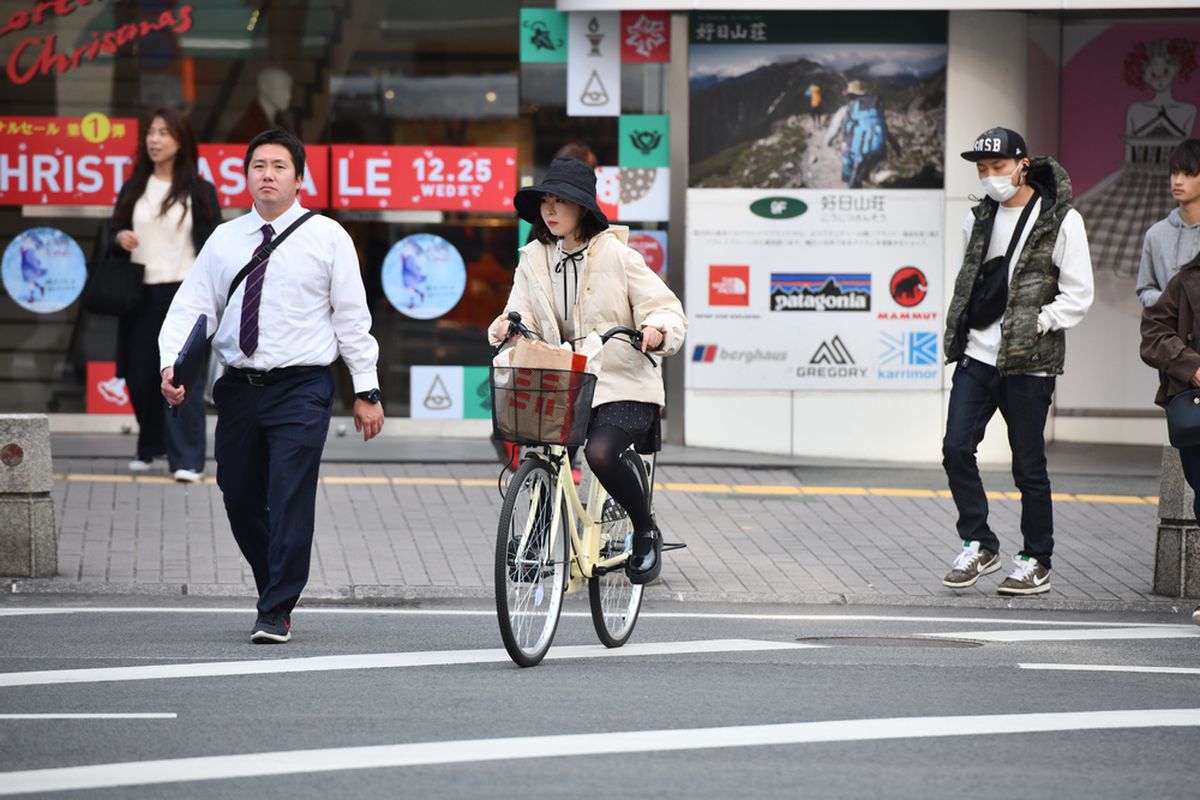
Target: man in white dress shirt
x=278 y=333
x=1026 y=278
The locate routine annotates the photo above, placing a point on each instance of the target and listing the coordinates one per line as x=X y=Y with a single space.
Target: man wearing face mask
x=1026 y=278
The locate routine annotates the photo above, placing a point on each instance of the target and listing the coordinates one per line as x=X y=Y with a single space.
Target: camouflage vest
x=1034 y=284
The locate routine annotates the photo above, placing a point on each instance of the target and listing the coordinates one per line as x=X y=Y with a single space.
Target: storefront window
x=421 y=119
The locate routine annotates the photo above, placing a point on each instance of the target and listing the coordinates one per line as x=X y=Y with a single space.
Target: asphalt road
x=792 y=701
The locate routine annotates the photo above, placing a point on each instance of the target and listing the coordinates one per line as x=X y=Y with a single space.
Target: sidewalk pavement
x=406 y=519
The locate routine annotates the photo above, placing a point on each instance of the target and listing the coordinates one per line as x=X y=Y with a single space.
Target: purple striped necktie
x=252 y=297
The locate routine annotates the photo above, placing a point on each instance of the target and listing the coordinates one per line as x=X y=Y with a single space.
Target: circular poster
x=43 y=270
x=423 y=276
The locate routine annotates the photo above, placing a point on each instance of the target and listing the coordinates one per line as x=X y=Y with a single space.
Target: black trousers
x=180 y=436
x=977 y=391
x=1189 y=459
x=269 y=442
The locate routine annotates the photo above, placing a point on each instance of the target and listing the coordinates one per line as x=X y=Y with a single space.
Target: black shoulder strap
x=265 y=253
x=1020 y=229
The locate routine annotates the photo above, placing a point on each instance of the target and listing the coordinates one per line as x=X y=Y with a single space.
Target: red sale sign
x=65 y=160
x=222 y=165
x=429 y=178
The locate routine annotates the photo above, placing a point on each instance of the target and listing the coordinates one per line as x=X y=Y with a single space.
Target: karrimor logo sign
x=729 y=285
x=820 y=291
x=908 y=355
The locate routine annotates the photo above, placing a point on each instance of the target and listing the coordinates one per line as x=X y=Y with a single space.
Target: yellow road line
x=777 y=490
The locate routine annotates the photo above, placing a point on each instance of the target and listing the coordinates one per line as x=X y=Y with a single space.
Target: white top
x=164 y=242
x=313 y=305
x=1071 y=256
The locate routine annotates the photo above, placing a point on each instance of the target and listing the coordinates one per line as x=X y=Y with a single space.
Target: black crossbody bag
x=989 y=295
x=265 y=253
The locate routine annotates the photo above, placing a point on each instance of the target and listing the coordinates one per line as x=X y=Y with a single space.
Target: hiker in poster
x=813 y=93
x=862 y=124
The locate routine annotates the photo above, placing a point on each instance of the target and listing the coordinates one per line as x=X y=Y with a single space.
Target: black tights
x=603 y=452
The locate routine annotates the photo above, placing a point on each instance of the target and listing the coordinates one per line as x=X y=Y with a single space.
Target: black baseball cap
x=997 y=143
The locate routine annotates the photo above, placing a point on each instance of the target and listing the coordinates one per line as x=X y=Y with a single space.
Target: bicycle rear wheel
x=532 y=563
x=615 y=602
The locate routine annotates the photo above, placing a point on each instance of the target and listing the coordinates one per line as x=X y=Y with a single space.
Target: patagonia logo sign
x=820 y=291
x=778 y=207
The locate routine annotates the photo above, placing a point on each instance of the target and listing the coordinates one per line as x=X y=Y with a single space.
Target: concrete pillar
x=28 y=534
x=1177 y=554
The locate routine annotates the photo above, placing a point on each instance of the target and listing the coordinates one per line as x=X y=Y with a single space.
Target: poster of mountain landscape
x=851 y=100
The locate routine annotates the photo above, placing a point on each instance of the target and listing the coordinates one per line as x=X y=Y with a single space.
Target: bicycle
x=549 y=543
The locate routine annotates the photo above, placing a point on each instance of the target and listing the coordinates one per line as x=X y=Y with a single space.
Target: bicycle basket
x=541 y=406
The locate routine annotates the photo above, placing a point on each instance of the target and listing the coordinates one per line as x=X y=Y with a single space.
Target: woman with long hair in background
x=164 y=214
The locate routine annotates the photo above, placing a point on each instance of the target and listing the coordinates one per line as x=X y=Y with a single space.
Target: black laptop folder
x=192 y=358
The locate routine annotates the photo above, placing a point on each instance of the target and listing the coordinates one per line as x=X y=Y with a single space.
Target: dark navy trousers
x=268 y=446
x=977 y=392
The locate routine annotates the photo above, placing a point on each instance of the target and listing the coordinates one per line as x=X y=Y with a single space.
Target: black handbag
x=1183 y=419
x=115 y=284
x=989 y=295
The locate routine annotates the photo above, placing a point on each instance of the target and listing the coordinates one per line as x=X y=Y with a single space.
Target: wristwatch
x=373 y=397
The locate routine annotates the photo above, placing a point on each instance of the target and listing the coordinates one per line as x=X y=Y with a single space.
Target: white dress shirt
x=313 y=305
x=1075 y=284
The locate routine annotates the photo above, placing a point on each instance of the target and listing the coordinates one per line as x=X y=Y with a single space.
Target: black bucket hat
x=567 y=178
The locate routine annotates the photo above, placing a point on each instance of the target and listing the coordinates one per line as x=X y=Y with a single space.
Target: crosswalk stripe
x=1069 y=635
x=431 y=658
x=35 y=717
x=1114 y=668
x=343 y=759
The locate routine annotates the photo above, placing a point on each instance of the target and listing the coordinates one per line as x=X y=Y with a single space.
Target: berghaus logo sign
x=778 y=207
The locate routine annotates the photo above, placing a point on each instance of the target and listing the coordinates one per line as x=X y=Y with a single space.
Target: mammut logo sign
x=908 y=286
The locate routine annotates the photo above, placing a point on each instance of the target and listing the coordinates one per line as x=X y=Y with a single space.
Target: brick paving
x=412 y=531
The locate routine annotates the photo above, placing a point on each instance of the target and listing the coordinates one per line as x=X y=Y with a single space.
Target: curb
x=385 y=594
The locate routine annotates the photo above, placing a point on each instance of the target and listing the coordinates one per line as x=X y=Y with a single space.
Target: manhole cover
x=888 y=641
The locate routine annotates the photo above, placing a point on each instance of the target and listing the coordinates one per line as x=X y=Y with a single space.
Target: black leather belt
x=269 y=377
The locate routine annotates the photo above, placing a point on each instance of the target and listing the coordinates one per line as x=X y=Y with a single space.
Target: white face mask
x=1000 y=187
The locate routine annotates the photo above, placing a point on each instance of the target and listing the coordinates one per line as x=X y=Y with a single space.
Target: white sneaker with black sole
x=972 y=562
x=1028 y=577
x=137 y=465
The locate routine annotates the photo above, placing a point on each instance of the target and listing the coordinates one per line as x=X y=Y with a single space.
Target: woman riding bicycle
x=577 y=276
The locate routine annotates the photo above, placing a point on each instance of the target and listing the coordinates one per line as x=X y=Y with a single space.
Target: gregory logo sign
x=728 y=285
x=843 y=291
x=832 y=359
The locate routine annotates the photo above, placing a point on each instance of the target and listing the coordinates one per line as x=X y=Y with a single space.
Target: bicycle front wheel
x=615 y=601
x=532 y=563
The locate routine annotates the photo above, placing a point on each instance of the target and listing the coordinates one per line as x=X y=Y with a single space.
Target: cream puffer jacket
x=615 y=288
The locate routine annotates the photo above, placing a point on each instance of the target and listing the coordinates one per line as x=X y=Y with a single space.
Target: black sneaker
x=274 y=628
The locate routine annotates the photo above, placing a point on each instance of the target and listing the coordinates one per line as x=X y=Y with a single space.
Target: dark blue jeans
x=268 y=446
x=977 y=392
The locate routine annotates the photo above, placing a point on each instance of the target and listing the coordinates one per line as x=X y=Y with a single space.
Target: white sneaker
x=1196 y=615
x=188 y=476
x=137 y=465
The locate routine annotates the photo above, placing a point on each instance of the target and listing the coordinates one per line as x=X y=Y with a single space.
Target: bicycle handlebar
x=634 y=337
